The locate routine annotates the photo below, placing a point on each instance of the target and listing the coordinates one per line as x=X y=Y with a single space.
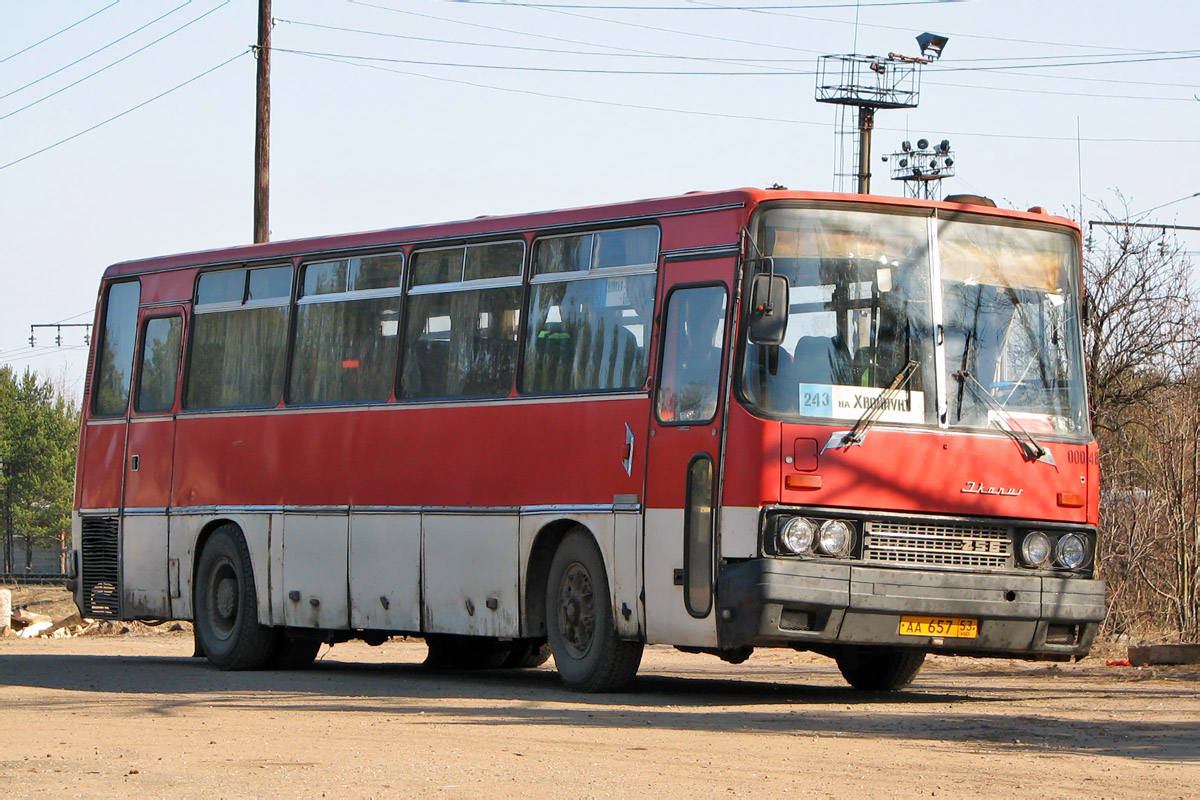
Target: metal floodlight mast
x=922 y=168
x=871 y=83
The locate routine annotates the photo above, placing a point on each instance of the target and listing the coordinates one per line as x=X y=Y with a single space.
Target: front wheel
x=226 y=604
x=579 y=621
x=876 y=669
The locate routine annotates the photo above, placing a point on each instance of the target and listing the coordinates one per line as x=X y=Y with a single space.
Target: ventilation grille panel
x=101 y=567
x=937 y=544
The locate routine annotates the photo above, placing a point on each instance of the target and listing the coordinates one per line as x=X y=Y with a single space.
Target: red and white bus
x=848 y=424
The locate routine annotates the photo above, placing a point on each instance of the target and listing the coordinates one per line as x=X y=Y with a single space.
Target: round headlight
x=836 y=538
x=1035 y=550
x=1071 y=551
x=796 y=536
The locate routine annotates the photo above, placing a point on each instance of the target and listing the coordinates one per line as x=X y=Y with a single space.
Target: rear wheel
x=879 y=668
x=226 y=604
x=579 y=621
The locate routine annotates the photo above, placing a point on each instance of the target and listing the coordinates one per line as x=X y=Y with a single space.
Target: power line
x=118 y=61
x=953 y=34
x=548 y=95
x=555 y=51
x=718 y=115
x=94 y=52
x=729 y=59
x=570 y=41
x=551 y=6
x=64 y=30
x=123 y=113
x=519 y=68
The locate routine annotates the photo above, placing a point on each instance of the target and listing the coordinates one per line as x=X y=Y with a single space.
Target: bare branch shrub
x=1142 y=340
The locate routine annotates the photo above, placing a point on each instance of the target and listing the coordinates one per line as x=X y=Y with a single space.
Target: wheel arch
x=537 y=571
x=259 y=560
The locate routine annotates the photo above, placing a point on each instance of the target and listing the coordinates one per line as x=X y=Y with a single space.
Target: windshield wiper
x=869 y=417
x=1031 y=448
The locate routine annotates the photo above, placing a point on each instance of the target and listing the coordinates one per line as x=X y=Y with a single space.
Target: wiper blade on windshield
x=1031 y=448
x=869 y=417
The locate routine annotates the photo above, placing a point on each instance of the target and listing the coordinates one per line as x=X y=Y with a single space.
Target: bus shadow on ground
x=992 y=720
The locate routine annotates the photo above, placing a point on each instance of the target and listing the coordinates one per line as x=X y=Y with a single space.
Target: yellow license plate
x=956 y=627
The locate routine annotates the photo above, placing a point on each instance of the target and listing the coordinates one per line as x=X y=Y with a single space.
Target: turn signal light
x=804 y=482
x=1070 y=500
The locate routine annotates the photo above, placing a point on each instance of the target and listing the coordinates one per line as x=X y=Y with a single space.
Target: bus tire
x=579 y=621
x=876 y=669
x=226 y=604
x=293 y=652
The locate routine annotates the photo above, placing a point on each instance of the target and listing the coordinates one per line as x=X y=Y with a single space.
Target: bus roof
x=692 y=202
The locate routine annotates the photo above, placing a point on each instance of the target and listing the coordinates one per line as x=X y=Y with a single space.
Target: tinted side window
x=346 y=331
x=588 y=335
x=160 y=364
x=463 y=314
x=238 y=343
x=114 y=367
x=691 y=360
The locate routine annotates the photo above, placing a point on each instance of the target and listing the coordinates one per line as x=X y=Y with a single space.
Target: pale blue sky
x=359 y=145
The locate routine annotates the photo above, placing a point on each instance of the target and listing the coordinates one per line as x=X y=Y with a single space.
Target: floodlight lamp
x=906 y=146
x=922 y=144
x=944 y=146
x=904 y=162
x=878 y=67
x=932 y=44
x=949 y=162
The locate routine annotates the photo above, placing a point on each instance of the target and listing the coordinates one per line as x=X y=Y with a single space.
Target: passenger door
x=685 y=455
x=149 y=455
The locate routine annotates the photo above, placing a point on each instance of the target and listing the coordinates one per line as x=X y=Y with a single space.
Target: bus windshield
x=971 y=323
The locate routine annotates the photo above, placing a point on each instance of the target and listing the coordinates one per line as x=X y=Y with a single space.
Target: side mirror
x=769 y=303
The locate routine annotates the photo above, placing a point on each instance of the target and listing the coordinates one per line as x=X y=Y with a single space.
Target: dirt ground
x=133 y=714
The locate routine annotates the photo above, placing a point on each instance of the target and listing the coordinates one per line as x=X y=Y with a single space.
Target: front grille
x=937 y=544
x=100 y=575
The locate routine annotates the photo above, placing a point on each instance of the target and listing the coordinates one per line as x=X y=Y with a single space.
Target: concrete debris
x=1164 y=654
x=26 y=624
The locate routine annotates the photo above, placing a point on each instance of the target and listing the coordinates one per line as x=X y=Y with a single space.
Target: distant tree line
x=1142 y=336
x=38 y=429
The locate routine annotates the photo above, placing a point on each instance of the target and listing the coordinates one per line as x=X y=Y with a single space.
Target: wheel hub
x=577 y=610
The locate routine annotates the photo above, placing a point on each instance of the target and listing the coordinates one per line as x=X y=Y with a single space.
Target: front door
x=149 y=455
x=685 y=455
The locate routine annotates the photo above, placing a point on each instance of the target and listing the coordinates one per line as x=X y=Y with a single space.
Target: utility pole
x=262 y=127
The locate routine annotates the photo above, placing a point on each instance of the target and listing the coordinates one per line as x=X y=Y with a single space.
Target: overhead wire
x=57 y=33
x=377 y=65
x=789 y=48
x=118 y=61
x=125 y=112
x=675 y=56
x=97 y=50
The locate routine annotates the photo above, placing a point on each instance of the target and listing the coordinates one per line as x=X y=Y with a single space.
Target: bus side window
x=691 y=371
x=238 y=338
x=462 y=316
x=346 y=331
x=159 y=366
x=114 y=370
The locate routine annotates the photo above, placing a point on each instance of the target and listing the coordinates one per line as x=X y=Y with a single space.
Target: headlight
x=1071 y=551
x=1035 y=549
x=796 y=536
x=836 y=538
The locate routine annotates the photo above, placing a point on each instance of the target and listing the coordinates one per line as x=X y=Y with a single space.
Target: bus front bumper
x=819 y=605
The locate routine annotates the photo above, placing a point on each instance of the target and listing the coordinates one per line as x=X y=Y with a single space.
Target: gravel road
x=134 y=715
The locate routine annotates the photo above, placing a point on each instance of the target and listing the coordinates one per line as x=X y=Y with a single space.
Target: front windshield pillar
x=937 y=315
